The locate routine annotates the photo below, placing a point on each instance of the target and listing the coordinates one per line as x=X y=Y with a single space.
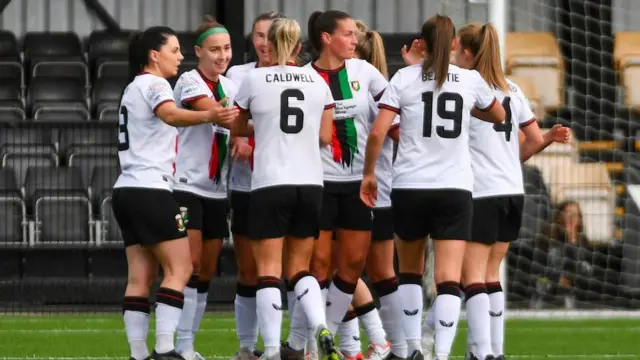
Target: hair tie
x=208 y=32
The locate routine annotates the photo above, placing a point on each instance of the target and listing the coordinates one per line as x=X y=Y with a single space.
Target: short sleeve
x=243 y=97
x=158 y=93
x=391 y=98
x=484 y=96
x=396 y=122
x=377 y=82
x=329 y=102
x=191 y=89
x=525 y=115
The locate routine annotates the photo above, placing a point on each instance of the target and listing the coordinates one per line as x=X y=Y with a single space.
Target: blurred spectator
x=564 y=251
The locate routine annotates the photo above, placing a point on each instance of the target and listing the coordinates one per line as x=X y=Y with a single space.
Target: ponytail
x=484 y=45
x=438 y=34
x=284 y=35
x=137 y=56
x=371 y=48
x=323 y=22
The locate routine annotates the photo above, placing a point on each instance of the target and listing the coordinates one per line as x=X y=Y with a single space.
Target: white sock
x=312 y=344
x=349 y=333
x=184 y=338
x=410 y=291
x=447 y=314
x=391 y=315
x=431 y=317
x=246 y=316
x=269 y=310
x=496 y=308
x=136 y=324
x=339 y=298
x=299 y=329
x=168 y=312
x=478 y=318
x=200 y=310
x=371 y=323
x=309 y=298
x=291 y=301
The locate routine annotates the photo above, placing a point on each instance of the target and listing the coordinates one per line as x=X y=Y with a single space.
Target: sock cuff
x=248 y=291
x=324 y=284
x=448 y=288
x=136 y=303
x=170 y=297
x=268 y=282
x=344 y=286
x=203 y=286
x=350 y=315
x=409 y=278
x=297 y=277
x=386 y=286
x=494 y=287
x=474 y=289
x=193 y=281
x=365 y=309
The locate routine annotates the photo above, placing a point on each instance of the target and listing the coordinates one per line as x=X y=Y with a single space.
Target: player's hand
x=369 y=190
x=223 y=115
x=559 y=133
x=241 y=149
x=414 y=54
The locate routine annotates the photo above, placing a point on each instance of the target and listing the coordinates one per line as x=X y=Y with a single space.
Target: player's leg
x=383 y=277
x=487 y=213
x=349 y=335
x=192 y=210
x=245 y=300
x=368 y=316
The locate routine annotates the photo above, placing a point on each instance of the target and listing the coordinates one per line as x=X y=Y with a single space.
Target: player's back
x=146 y=143
x=495 y=148
x=286 y=105
x=434 y=126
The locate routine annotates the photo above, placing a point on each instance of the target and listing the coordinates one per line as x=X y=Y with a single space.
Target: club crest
x=355 y=85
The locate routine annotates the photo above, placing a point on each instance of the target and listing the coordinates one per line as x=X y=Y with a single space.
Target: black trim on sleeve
x=379 y=96
x=389 y=107
x=192 y=99
x=330 y=106
x=241 y=108
x=527 y=123
x=488 y=107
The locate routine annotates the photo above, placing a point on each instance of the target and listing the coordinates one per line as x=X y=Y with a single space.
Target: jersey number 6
x=286 y=111
x=443 y=113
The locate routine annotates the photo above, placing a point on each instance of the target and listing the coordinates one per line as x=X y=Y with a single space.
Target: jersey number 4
x=507 y=125
x=455 y=114
x=286 y=112
x=123 y=133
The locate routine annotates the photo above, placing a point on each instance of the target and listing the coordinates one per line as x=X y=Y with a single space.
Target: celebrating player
x=152 y=225
x=286 y=183
x=240 y=185
x=433 y=178
x=498 y=191
x=201 y=176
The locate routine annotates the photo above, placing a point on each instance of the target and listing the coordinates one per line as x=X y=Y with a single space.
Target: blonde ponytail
x=483 y=43
x=284 y=35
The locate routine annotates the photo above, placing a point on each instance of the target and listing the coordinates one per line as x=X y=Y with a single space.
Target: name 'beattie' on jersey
x=289 y=77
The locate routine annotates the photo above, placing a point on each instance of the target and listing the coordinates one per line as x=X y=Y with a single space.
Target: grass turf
x=92 y=336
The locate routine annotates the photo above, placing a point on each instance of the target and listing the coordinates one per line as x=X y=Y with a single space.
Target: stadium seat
x=72 y=69
x=626 y=53
x=528 y=88
x=9 y=47
x=8 y=184
x=47 y=114
x=88 y=162
x=536 y=55
x=20 y=162
x=43 y=49
x=13 y=216
x=10 y=96
x=590 y=185
x=101 y=185
x=110 y=230
x=26 y=136
x=52 y=181
x=55 y=93
x=73 y=138
x=11 y=73
x=106 y=95
x=108 y=54
x=11 y=114
x=555 y=154
x=64 y=220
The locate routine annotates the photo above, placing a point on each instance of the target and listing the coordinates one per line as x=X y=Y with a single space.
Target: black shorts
x=382 y=224
x=240 y=213
x=442 y=214
x=207 y=215
x=343 y=209
x=497 y=218
x=288 y=210
x=147 y=216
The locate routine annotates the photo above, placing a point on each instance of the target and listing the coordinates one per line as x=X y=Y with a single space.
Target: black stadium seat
x=10 y=95
x=57 y=54
x=52 y=181
x=13 y=219
x=20 y=162
x=71 y=69
x=106 y=95
x=65 y=220
x=26 y=136
x=9 y=47
x=55 y=93
x=73 y=138
x=87 y=162
x=8 y=183
x=108 y=54
x=102 y=181
x=54 y=114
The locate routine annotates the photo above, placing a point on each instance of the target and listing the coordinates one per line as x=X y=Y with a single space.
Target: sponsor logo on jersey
x=180 y=223
x=355 y=85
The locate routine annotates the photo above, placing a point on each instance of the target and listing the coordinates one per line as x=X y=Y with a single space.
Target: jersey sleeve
x=485 y=98
x=191 y=89
x=391 y=97
x=525 y=115
x=158 y=93
x=377 y=83
x=243 y=97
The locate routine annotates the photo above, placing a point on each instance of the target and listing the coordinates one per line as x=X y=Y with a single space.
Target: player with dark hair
x=151 y=222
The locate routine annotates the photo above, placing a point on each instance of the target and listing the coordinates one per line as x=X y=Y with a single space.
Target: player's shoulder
x=227 y=83
x=514 y=88
x=407 y=75
x=149 y=83
x=237 y=70
x=190 y=77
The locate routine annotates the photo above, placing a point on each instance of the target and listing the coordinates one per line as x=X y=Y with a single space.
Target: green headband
x=211 y=31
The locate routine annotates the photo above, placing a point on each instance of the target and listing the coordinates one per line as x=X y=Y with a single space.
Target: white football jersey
x=433 y=152
x=146 y=145
x=240 y=178
x=351 y=86
x=384 y=165
x=286 y=104
x=495 y=149
x=198 y=171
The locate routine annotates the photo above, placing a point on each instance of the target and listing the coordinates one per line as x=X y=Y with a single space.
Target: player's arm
x=174 y=116
x=486 y=108
x=326 y=126
x=557 y=133
x=533 y=140
x=377 y=134
x=224 y=115
x=241 y=126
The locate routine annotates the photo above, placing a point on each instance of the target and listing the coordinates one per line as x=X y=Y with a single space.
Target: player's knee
x=248 y=275
x=447 y=273
x=379 y=272
x=351 y=267
x=141 y=280
x=320 y=264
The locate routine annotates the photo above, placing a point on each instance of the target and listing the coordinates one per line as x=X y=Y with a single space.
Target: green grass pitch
x=101 y=336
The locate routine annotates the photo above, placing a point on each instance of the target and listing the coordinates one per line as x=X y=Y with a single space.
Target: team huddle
x=302 y=157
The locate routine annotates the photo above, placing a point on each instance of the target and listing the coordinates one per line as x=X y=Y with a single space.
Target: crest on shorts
x=355 y=85
x=180 y=223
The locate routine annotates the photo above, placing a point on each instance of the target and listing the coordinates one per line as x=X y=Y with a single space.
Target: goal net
x=579 y=64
